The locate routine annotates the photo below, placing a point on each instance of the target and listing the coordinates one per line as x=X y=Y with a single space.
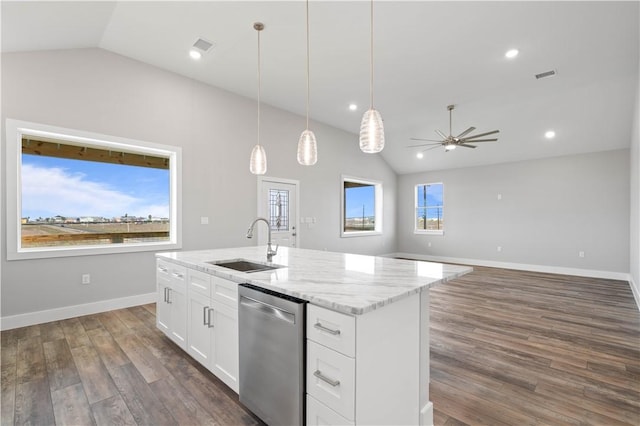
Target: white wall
x=634 y=216
x=97 y=91
x=550 y=210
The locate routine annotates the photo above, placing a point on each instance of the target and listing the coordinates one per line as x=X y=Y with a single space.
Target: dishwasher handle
x=267 y=309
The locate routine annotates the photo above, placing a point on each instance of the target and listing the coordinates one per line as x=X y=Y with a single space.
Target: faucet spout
x=270 y=250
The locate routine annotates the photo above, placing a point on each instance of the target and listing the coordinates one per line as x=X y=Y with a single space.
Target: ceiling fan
x=451 y=142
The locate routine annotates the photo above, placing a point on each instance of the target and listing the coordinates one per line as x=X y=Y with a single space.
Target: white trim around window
x=377 y=208
x=16 y=129
x=426 y=207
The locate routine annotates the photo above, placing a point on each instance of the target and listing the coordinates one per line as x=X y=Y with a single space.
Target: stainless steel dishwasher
x=272 y=355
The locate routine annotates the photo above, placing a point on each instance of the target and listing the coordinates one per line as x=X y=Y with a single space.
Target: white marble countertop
x=349 y=283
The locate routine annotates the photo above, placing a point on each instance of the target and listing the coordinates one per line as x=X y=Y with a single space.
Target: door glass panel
x=279 y=209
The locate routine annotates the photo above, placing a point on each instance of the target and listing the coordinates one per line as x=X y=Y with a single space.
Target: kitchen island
x=371 y=318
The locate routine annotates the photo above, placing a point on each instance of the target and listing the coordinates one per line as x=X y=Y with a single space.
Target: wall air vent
x=203 y=45
x=545 y=74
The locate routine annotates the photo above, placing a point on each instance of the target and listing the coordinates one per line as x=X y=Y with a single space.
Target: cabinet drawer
x=331 y=379
x=199 y=282
x=332 y=329
x=319 y=414
x=225 y=291
x=163 y=269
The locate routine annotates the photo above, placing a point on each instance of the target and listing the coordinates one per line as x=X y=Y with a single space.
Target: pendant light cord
x=308 y=65
x=371 y=58
x=259 y=86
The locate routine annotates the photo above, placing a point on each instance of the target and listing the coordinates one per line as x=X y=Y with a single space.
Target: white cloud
x=48 y=192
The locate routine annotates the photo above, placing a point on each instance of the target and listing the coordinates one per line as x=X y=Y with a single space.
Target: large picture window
x=361 y=207
x=77 y=193
x=429 y=208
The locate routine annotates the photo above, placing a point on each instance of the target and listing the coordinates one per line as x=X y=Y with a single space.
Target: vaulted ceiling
x=427 y=55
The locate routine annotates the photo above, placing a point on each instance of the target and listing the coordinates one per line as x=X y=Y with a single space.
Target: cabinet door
x=225 y=344
x=163 y=309
x=199 y=331
x=178 y=303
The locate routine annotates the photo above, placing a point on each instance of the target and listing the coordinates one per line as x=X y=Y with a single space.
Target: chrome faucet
x=270 y=251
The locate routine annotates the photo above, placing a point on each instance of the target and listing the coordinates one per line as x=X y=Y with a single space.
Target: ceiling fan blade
x=482 y=134
x=466 y=146
x=426 y=140
x=442 y=135
x=423 y=144
x=430 y=148
x=466 y=132
x=477 y=140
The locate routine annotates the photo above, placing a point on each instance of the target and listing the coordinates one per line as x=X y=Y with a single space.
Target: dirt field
x=67 y=228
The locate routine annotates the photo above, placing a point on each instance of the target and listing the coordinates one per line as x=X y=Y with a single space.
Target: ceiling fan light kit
x=452 y=142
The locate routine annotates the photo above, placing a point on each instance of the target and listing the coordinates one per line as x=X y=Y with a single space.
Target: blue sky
x=356 y=198
x=434 y=193
x=76 y=188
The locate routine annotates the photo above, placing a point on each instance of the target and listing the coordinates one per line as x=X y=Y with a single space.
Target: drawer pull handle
x=164 y=270
x=209 y=320
x=205 y=316
x=326 y=330
x=324 y=378
x=178 y=275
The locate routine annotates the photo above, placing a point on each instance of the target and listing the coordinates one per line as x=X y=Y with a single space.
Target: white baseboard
x=520 y=266
x=635 y=291
x=426 y=415
x=32 y=318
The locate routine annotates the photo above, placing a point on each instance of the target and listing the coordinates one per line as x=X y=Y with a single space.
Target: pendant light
x=371 y=128
x=258 y=161
x=307 y=147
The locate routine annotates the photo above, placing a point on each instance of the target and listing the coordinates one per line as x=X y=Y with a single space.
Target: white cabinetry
x=213 y=325
x=171 y=307
x=364 y=369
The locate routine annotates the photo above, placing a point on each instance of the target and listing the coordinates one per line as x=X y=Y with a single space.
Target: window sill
x=360 y=234
x=44 y=253
x=435 y=232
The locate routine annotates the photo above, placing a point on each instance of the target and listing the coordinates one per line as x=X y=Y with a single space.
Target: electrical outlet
x=204 y=220
x=580 y=254
x=499 y=248
x=499 y=196
x=429 y=244
x=86 y=279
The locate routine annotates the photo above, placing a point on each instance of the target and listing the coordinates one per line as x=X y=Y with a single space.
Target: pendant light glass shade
x=371 y=127
x=258 y=161
x=371 y=132
x=307 y=149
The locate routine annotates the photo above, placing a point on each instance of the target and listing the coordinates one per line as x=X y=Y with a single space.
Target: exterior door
x=278 y=203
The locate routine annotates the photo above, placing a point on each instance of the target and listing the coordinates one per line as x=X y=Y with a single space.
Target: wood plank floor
x=112 y=368
x=507 y=348
x=523 y=348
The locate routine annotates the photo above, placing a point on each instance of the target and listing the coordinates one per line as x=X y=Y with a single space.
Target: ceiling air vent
x=203 y=45
x=545 y=74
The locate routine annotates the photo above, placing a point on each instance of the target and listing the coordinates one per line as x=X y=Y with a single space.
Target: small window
x=429 y=208
x=361 y=207
x=78 y=193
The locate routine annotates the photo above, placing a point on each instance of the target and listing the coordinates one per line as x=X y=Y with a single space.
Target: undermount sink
x=242 y=265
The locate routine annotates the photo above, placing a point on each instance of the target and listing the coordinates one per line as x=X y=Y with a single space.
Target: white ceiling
x=427 y=55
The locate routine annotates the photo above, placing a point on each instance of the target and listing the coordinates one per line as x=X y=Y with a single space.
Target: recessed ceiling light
x=195 y=54
x=549 y=134
x=419 y=155
x=511 y=53
x=353 y=107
